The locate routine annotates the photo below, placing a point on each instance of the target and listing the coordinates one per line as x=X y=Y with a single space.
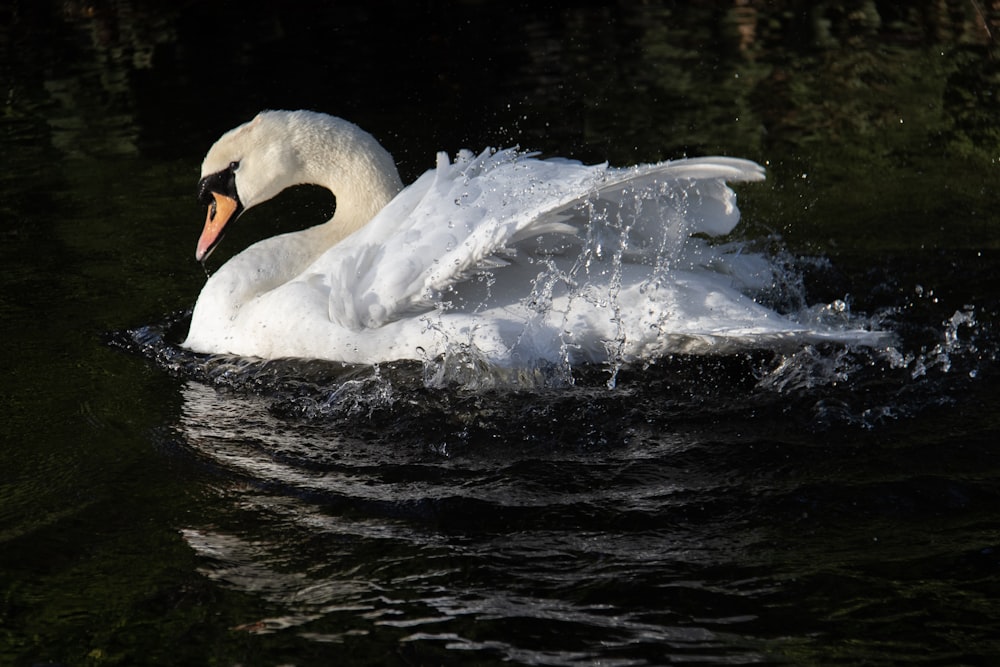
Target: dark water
x=827 y=506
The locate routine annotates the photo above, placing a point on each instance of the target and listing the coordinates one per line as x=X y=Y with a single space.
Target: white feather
x=524 y=259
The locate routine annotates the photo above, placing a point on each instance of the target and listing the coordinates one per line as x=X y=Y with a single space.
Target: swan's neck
x=315 y=150
x=349 y=162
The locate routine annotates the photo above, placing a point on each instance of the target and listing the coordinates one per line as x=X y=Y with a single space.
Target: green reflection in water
x=878 y=124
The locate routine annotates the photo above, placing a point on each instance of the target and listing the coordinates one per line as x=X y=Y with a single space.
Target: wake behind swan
x=518 y=259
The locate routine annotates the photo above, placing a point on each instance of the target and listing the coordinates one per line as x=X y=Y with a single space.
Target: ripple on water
x=687 y=512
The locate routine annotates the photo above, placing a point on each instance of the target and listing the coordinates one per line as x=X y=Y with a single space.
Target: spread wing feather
x=462 y=217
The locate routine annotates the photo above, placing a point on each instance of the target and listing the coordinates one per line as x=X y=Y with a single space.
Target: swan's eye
x=221 y=182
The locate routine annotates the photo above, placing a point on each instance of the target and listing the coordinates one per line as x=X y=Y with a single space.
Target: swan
x=517 y=259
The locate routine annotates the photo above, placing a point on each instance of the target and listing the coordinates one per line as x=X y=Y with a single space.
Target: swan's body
x=520 y=259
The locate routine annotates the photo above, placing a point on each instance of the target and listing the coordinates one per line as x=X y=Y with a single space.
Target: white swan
x=518 y=259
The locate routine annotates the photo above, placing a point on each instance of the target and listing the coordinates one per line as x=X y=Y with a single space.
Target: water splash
x=868 y=385
x=464 y=366
x=467 y=400
x=841 y=383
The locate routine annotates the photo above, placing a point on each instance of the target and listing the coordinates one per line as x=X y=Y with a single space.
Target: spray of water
x=959 y=346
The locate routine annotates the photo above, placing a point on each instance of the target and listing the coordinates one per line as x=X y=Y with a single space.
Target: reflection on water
x=451 y=541
x=737 y=78
x=812 y=506
x=616 y=546
x=614 y=537
x=91 y=103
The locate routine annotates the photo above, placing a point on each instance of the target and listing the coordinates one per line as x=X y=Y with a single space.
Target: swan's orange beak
x=220 y=212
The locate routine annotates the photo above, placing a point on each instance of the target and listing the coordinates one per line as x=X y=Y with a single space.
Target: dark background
x=828 y=507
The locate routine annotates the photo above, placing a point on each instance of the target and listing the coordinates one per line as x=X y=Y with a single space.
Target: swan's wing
x=460 y=218
x=451 y=223
x=697 y=185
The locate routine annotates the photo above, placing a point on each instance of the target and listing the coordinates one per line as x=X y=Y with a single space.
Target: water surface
x=820 y=506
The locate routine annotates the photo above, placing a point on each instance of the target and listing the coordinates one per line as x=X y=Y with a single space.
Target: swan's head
x=247 y=166
x=279 y=149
